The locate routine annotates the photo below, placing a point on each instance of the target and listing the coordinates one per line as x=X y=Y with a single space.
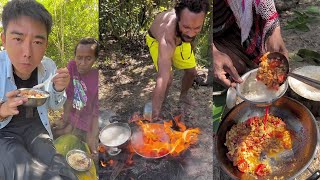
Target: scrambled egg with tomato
x=247 y=140
x=271 y=72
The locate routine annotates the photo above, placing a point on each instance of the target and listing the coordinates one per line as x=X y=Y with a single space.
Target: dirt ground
x=295 y=39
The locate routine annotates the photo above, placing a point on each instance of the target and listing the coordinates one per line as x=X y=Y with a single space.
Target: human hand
x=275 y=43
x=157 y=119
x=9 y=108
x=61 y=81
x=222 y=67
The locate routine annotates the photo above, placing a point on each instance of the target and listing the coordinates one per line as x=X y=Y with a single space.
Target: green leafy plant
x=302 y=19
x=73 y=20
x=219 y=105
x=306 y=55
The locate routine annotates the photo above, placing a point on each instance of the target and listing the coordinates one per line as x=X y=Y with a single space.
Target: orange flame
x=135 y=117
x=111 y=162
x=101 y=148
x=103 y=163
x=161 y=139
x=129 y=160
x=181 y=140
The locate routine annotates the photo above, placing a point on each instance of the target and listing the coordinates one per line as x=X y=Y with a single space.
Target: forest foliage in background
x=72 y=20
x=122 y=20
x=128 y=21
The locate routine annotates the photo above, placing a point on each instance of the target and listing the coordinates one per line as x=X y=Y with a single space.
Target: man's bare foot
x=187 y=100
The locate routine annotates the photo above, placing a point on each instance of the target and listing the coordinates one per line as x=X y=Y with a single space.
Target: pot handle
x=315 y=175
x=114 y=119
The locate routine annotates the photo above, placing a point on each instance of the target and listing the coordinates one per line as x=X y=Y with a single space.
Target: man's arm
x=166 y=50
x=57 y=93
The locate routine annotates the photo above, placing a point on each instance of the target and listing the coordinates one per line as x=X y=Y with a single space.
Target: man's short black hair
x=30 y=8
x=89 y=40
x=195 y=6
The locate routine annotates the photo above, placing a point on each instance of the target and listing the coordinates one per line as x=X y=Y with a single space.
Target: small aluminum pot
x=123 y=129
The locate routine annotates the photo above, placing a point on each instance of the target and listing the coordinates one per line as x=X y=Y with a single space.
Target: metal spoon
x=45 y=82
x=312 y=82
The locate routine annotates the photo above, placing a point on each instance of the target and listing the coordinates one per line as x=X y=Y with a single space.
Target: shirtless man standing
x=169 y=40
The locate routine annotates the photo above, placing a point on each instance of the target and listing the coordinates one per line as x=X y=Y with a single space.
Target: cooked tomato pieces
x=246 y=141
x=243 y=165
x=262 y=170
x=272 y=72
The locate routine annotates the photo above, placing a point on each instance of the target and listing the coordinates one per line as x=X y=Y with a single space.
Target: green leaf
x=288 y=26
x=295 y=57
x=312 y=20
x=309 y=55
x=313 y=10
x=297 y=13
x=219 y=104
x=317 y=61
x=303 y=27
x=297 y=24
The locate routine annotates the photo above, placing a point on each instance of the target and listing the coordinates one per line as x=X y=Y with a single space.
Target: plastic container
x=147 y=111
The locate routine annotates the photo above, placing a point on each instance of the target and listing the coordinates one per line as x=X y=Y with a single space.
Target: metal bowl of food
x=36 y=97
x=256 y=92
x=78 y=160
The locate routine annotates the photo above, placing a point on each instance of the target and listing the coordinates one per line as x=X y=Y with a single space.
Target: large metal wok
x=298 y=119
x=137 y=140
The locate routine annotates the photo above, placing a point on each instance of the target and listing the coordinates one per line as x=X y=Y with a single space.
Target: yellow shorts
x=183 y=57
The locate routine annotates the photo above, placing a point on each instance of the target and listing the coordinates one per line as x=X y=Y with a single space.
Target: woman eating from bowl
x=81 y=108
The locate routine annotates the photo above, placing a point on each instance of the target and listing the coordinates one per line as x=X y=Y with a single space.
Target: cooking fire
x=153 y=140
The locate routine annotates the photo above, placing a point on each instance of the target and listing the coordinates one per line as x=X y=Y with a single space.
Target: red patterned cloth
x=256 y=19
